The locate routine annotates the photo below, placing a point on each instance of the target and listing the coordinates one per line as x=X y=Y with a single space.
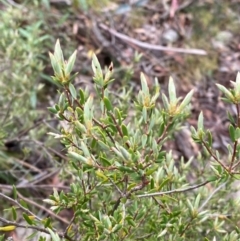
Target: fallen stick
x=151 y=46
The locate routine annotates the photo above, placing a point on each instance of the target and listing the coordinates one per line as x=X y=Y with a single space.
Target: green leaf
x=31 y=236
x=80 y=127
x=58 y=53
x=197 y=201
x=164 y=183
x=230 y=117
x=27 y=219
x=95 y=64
x=161 y=129
x=125 y=153
x=77 y=156
x=103 y=145
x=100 y=174
x=107 y=104
x=70 y=63
x=56 y=66
x=124 y=130
x=14 y=192
x=237 y=86
x=98 y=75
x=162 y=233
x=209 y=136
x=118 y=114
x=144 y=84
x=225 y=91
x=144 y=114
x=82 y=96
x=172 y=92
x=73 y=91
x=186 y=100
x=85 y=149
x=116 y=228
x=152 y=170
x=54 y=236
x=231 y=132
x=200 y=122
x=165 y=101
x=237 y=133
x=105 y=161
x=52 y=110
x=61 y=101
x=144 y=140
x=14 y=213
x=126 y=169
x=47 y=223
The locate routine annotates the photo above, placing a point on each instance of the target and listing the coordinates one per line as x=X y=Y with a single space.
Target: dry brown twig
x=151 y=46
x=41 y=229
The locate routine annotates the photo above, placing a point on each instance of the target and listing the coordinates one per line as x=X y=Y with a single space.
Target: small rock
x=170 y=36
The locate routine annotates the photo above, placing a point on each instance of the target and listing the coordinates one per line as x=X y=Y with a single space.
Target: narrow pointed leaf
x=231 y=132
x=165 y=101
x=27 y=219
x=78 y=157
x=96 y=66
x=237 y=86
x=73 y=91
x=70 y=63
x=172 y=91
x=58 y=53
x=144 y=84
x=186 y=100
x=200 y=121
x=55 y=65
x=54 y=236
x=107 y=104
x=225 y=91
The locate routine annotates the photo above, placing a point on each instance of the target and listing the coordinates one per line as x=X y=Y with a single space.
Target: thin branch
x=5 y=221
x=233 y=155
x=69 y=225
x=43 y=208
x=214 y=156
x=96 y=122
x=116 y=124
x=173 y=191
x=211 y=195
x=31 y=186
x=19 y=205
x=151 y=46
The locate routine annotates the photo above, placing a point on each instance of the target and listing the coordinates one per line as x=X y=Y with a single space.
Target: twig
x=19 y=205
x=173 y=191
x=31 y=186
x=24 y=226
x=233 y=155
x=43 y=208
x=5 y=221
x=25 y=164
x=151 y=46
x=69 y=225
x=211 y=195
x=214 y=156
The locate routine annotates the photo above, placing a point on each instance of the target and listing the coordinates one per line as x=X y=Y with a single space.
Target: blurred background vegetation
x=29 y=30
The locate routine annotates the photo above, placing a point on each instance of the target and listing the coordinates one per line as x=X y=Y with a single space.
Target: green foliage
x=21 y=47
x=125 y=185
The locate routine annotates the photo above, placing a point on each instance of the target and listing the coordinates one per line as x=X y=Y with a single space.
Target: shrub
x=123 y=184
